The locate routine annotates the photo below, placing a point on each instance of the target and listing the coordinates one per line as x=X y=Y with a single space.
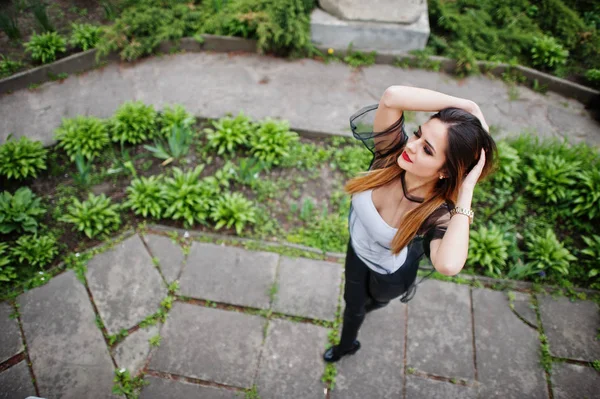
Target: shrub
x=35 y=250
x=233 y=210
x=546 y=253
x=509 y=167
x=551 y=177
x=352 y=159
x=358 y=59
x=41 y=16
x=587 y=193
x=22 y=159
x=144 y=197
x=8 y=24
x=176 y=147
x=133 y=123
x=306 y=156
x=488 y=248
x=85 y=36
x=326 y=232
x=7 y=272
x=19 y=212
x=95 y=216
x=175 y=116
x=228 y=134
x=592 y=75
x=548 y=53
x=248 y=170
x=83 y=134
x=8 y=66
x=271 y=141
x=44 y=47
x=592 y=254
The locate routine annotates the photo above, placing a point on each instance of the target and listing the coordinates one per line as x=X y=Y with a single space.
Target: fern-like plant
x=271 y=141
x=233 y=209
x=175 y=116
x=551 y=177
x=35 y=250
x=546 y=253
x=587 y=194
x=83 y=134
x=145 y=197
x=8 y=66
x=45 y=47
x=592 y=254
x=7 y=271
x=85 y=36
x=509 y=166
x=133 y=123
x=488 y=248
x=95 y=216
x=19 y=212
x=228 y=134
x=177 y=145
x=22 y=159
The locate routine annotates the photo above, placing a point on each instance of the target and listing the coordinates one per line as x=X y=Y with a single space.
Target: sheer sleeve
x=436 y=225
x=379 y=143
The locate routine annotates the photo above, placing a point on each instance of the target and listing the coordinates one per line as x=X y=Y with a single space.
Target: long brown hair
x=466 y=138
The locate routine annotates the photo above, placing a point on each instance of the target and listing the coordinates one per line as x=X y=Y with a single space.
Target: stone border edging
x=86 y=60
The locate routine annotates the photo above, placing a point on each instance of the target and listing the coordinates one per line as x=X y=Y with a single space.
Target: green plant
x=110 y=11
x=178 y=143
x=95 y=216
x=22 y=159
x=546 y=253
x=326 y=232
x=548 y=52
x=83 y=177
x=359 y=59
x=7 y=271
x=329 y=375
x=133 y=123
x=488 y=248
x=232 y=209
x=352 y=159
x=83 y=134
x=176 y=115
x=228 y=134
x=249 y=170
x=144 y=197
x=509 y=166
x=592 y=253
x=8 y=66
x=306 y=156
x=19 y=212
x=586 y=193
x=593 y=76
x=41 y=16
x=155 y=340
x=85 y=36
x=35 y=250
x=8 y=24
x=271 y=141
x=45 y=47
x=596 y=365
x=551 y=177
x=128 y=386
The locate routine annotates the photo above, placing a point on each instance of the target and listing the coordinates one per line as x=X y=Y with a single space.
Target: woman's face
x=425 y=152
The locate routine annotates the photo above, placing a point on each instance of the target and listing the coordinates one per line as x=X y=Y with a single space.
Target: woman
x=414 y=200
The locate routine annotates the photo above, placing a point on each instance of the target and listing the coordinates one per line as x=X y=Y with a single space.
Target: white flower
x=77 y=255
x=122 y=370
x=41 y=272
x=186 y=234
x=42 y=278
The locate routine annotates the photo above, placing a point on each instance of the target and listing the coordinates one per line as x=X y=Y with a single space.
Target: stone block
x=308 y=288
x=210 y=344
x=524 y=308
x=133 y=351
x=418 y=387
x=571 y=327
x=169 y=254
x=440 y=333
x=572 y=381
x=11 y=342
x=507 y=350
x=291 y=365
x=375 y=371
x=16 y=382
x=395 y=11
x=67 y=350
x=228 y=274
x=125 y=284
x=160 y=388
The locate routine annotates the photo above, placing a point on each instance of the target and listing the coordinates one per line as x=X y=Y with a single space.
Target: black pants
x=365 y=288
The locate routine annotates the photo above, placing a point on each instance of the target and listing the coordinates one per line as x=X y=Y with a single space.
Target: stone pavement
x=257 y=320
x=310 y=94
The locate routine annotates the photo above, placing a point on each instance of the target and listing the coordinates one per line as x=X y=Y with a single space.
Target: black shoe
x=333 y=354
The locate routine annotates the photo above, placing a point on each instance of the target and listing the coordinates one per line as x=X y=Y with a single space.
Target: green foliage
x=592 y=75
x=8 y=66
x=548 y=53
x=352 y=159
x=306 y=156
x=7 y=271
x=85 y=36
x=41 y=16
x=551 y=177
x=488 y=248
x=271 y=141
x=229 y=134
x=22 y=159
x=175 y=115
x=359 y=59
x=145 y=197
x=586 y=194
x=86 y=135
x=19 y=212
x=509 y=166
x=248 y=170
x=176 y=147
x=133 y=123
x=592 y=254
x=546 y=253
x=9 y=25
x=126 y=385
x=155 y=340
x=45 y=47
x=35 y=250
x=232 y=209
x=95 y=216
x=83 y=177
x=326 y=232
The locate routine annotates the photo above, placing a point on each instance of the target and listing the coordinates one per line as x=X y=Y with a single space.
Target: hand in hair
x=473 y=176
x=476 y=111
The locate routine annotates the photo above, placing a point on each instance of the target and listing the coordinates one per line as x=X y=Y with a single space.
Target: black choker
x=407 y=195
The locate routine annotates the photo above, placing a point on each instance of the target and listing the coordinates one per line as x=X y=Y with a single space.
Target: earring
x=441 y=177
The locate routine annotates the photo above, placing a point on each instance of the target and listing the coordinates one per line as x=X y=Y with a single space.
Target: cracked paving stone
x=161 y=388
x=16 y=382
x=11 y=342
x=169 y=254
x=572 y=381
x=418 y=387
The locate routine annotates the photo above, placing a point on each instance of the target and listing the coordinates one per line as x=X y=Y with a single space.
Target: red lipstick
x=406 y=157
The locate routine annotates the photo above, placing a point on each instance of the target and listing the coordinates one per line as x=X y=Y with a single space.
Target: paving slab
x=170 y=255
x=376 y=370
x=524 y=308
x=440 y=332
x=125 y=284
x=16 y=382
x=133 y=351
x=11 y=342
x=507 y=350
x=228 y=274
x=291 y=365
x=418 y=387
x=67 y=350
x=210 y=344
x=308 y=288
x=572 y=381
x=571 y=327
x=162 y=388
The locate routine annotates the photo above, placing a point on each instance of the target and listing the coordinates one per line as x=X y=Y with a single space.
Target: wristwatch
x=463 y=211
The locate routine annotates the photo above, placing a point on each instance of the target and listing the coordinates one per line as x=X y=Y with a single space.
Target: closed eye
x=417 y=134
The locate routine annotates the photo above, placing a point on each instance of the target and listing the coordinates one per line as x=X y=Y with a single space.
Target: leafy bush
x=228 y=134
x=175 y=116
x=351 y=159
x=144 y=197
x=306 y=156
x=548 y=53
x=22 y=159
x=232 y=209
x=592 y=75
x=41 y=16
x=45 y=47
x=488 y=248
x=176 y=147
x=19 y=212
x=83 y=134
x=35 y=250
x=85 y=36
x=95 y=216
x=509 y=166
x=8 y=66
x=546 y=253
x=328 y=233
x=587 y=193
x=271 y=141
x=592 y=254
x=133 y=123
x=249 y=170
x=8 y=24
x=551 y=177
x=358 y=59
x=7 y=272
